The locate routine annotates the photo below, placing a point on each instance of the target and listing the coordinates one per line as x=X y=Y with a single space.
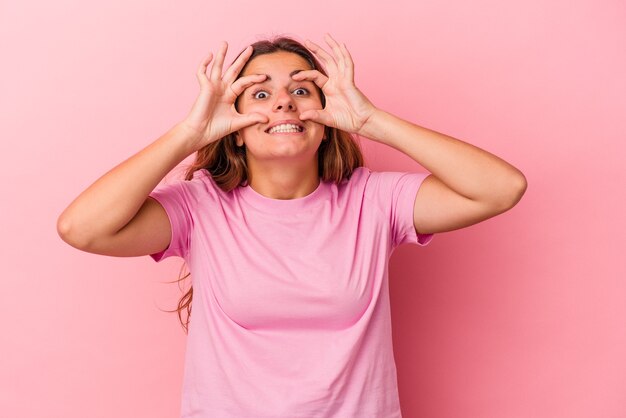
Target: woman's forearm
x=466 y=169
x=114 y=199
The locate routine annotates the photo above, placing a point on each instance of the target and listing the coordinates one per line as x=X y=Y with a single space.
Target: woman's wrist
x=190 y=139
x=373 y=127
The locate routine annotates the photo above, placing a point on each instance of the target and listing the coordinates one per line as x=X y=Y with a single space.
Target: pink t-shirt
x=290 y=313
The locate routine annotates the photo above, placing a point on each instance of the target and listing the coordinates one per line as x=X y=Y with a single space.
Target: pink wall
x=520 y=316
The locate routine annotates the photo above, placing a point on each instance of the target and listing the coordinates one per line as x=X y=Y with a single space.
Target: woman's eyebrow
x=268 y=78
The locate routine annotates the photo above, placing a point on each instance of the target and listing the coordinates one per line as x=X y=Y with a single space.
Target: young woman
x=287 y=236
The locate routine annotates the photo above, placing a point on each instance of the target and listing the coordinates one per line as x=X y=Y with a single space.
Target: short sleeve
x=396 y=193
x=177 y=201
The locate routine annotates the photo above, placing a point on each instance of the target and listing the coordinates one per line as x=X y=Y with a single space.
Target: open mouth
x=285 y=128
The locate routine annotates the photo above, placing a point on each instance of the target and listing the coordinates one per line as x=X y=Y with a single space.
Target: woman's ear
x=238 y=140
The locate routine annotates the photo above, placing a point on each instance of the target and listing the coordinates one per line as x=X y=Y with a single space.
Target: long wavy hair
x=338 y=156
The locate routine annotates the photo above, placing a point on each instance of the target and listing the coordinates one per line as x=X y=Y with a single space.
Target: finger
x=233 y=71
x=313 y=75
x=243 y=83
x=248 y=119
x=326 y=59
x=349 y=62
x=336 y=51
x=201 y=73
x=319 y=116
x=216 y=68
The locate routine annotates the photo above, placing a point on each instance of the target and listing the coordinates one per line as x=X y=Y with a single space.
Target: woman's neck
x=282 y=180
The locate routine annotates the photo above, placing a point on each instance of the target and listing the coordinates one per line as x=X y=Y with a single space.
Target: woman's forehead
x=276 y=63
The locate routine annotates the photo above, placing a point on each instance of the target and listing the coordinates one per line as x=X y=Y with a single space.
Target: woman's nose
x=284 y=101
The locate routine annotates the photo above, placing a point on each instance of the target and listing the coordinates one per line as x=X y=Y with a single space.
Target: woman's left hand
x=346 y=107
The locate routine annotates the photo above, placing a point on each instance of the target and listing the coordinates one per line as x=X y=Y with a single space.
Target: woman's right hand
x=213 y=115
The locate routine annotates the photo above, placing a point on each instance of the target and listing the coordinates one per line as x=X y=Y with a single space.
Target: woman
x=286 y=234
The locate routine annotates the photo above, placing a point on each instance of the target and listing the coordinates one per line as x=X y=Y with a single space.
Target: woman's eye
x=301 y=91
x=260 y=94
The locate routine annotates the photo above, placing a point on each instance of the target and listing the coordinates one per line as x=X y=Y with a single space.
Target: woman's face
x=282 y=100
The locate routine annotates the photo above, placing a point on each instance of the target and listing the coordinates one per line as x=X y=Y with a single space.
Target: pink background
x=523 y=315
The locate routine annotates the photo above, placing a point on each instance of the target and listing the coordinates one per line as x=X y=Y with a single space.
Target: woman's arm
x=114 y=216
x=93 y=221
x=468 y=170
x=467 y=185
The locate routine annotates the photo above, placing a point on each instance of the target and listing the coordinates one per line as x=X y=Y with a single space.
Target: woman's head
x=283 y=139
x=337 y=155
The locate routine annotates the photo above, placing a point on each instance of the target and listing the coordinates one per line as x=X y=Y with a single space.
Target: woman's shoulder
x=200 y=185
x=359 y=174
x=384 y=181
x=203 y=182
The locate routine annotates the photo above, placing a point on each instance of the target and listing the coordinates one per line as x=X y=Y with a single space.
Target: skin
x=281 y=165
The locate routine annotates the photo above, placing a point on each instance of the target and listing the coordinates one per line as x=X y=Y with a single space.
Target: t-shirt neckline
x=282 y=206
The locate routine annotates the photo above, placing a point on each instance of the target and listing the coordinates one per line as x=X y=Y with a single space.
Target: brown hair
x=338 y=156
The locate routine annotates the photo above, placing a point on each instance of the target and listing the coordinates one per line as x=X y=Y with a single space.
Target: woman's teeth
x=285 y=128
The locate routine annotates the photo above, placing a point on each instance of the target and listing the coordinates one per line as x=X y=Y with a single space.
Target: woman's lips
x=285 y=125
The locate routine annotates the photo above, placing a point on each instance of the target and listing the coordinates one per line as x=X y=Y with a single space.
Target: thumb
x=319 y=116
x=248 y=119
